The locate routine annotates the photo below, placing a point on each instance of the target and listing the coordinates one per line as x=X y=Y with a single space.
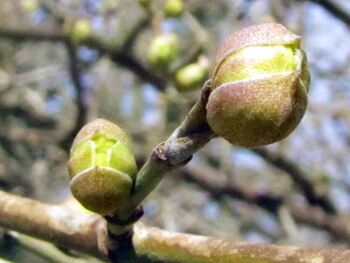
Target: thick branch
x=51 y=223
x=177 y=247
x=78 y=231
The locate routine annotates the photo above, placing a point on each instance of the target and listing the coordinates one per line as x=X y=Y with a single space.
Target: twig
x=140 y=26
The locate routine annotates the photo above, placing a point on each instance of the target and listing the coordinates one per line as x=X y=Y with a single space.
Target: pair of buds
x=258 y=96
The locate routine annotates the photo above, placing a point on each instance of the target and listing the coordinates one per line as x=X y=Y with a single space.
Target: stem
x=189 y=137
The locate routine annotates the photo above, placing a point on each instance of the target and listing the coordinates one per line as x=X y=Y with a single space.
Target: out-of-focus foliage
x=43 y=90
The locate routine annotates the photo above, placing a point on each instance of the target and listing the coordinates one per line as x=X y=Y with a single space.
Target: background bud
x=192 y=76
x=163 y=50
x=81 y=30
x=173 y=8
x=29 y=5
x=102 y=167
x=259 y=88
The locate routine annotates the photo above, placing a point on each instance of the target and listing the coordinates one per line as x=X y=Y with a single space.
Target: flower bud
x=173 y=8
x=102 y=167
x=163 y=50
x=192 y=76
x=259 y=86
x=81 y=30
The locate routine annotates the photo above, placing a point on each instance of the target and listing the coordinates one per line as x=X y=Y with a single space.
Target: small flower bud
x=81 y=30
x=163 y=50
x=173 y=8
x=192 y=76
x=259 y=86
x=102 y=167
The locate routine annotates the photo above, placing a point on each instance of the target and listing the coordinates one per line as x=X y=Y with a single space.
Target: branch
x=82 y=106
x=140 y=26
x=334 y=9
x=82 y=232
x=207 y=179
x=118 y=56
x=35 y=120
x=32 y=35
x=8 y=81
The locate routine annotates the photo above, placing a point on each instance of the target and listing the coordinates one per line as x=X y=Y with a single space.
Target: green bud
x=145 y=3
x=173 y=8
x=259 y=86
x=81 y=30
x=102 y=167
x=164 y=49
x=191 y=77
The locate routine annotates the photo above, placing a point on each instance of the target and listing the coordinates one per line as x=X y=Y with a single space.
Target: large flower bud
x=102 y=167
x=259 y=86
